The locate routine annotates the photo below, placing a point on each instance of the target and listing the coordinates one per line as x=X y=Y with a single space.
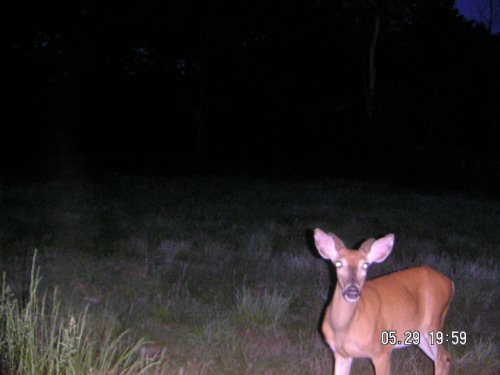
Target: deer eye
x=338 y=264
x=365 y=266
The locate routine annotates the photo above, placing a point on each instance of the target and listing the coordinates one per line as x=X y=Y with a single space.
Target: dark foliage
x=174 y=86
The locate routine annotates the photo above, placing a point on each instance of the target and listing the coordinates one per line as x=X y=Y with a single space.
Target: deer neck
x=342 y=311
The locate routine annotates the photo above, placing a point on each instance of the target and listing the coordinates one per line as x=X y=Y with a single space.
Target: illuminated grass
x=38 y=338
x=219 y=273
x=265 y=308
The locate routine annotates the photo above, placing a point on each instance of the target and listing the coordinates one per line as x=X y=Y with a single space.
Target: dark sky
x=478 y=10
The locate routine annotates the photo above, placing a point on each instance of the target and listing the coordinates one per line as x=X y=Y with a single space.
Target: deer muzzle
x=351 y=293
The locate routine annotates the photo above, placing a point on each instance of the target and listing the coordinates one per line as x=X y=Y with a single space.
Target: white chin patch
x=351 y=300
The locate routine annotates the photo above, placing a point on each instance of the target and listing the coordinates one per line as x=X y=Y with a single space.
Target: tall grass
x=38 y=338
x=265 y=308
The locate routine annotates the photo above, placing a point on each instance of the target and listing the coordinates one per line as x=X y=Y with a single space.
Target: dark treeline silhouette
x=171 y=86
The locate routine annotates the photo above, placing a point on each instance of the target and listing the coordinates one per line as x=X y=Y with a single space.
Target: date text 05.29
x=391 y=338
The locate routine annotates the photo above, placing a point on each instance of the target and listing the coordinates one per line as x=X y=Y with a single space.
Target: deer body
x=413 y=300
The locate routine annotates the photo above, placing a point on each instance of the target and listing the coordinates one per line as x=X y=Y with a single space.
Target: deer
x=368 y=319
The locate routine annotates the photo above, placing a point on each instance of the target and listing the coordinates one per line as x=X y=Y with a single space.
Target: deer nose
x=351 y=293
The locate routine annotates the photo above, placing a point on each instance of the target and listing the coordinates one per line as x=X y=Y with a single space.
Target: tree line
x=187 y=81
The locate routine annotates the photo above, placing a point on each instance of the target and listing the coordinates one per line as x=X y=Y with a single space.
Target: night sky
x=478 y=11
x=402 y=93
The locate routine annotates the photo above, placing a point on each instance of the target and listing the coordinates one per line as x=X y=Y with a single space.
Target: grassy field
x=218 y=276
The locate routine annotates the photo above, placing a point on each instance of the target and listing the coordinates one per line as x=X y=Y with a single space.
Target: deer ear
x=380 y=249
x=367 y=245
x=339 y=244
x=325 y=245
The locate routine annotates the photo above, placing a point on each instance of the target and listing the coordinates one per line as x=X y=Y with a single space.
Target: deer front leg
x=382 y=364
x=342 y=365
x=443 y=362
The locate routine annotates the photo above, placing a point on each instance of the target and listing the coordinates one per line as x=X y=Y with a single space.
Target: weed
x=39 y=338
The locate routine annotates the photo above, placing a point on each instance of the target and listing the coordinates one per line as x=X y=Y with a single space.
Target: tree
x=489 y=12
